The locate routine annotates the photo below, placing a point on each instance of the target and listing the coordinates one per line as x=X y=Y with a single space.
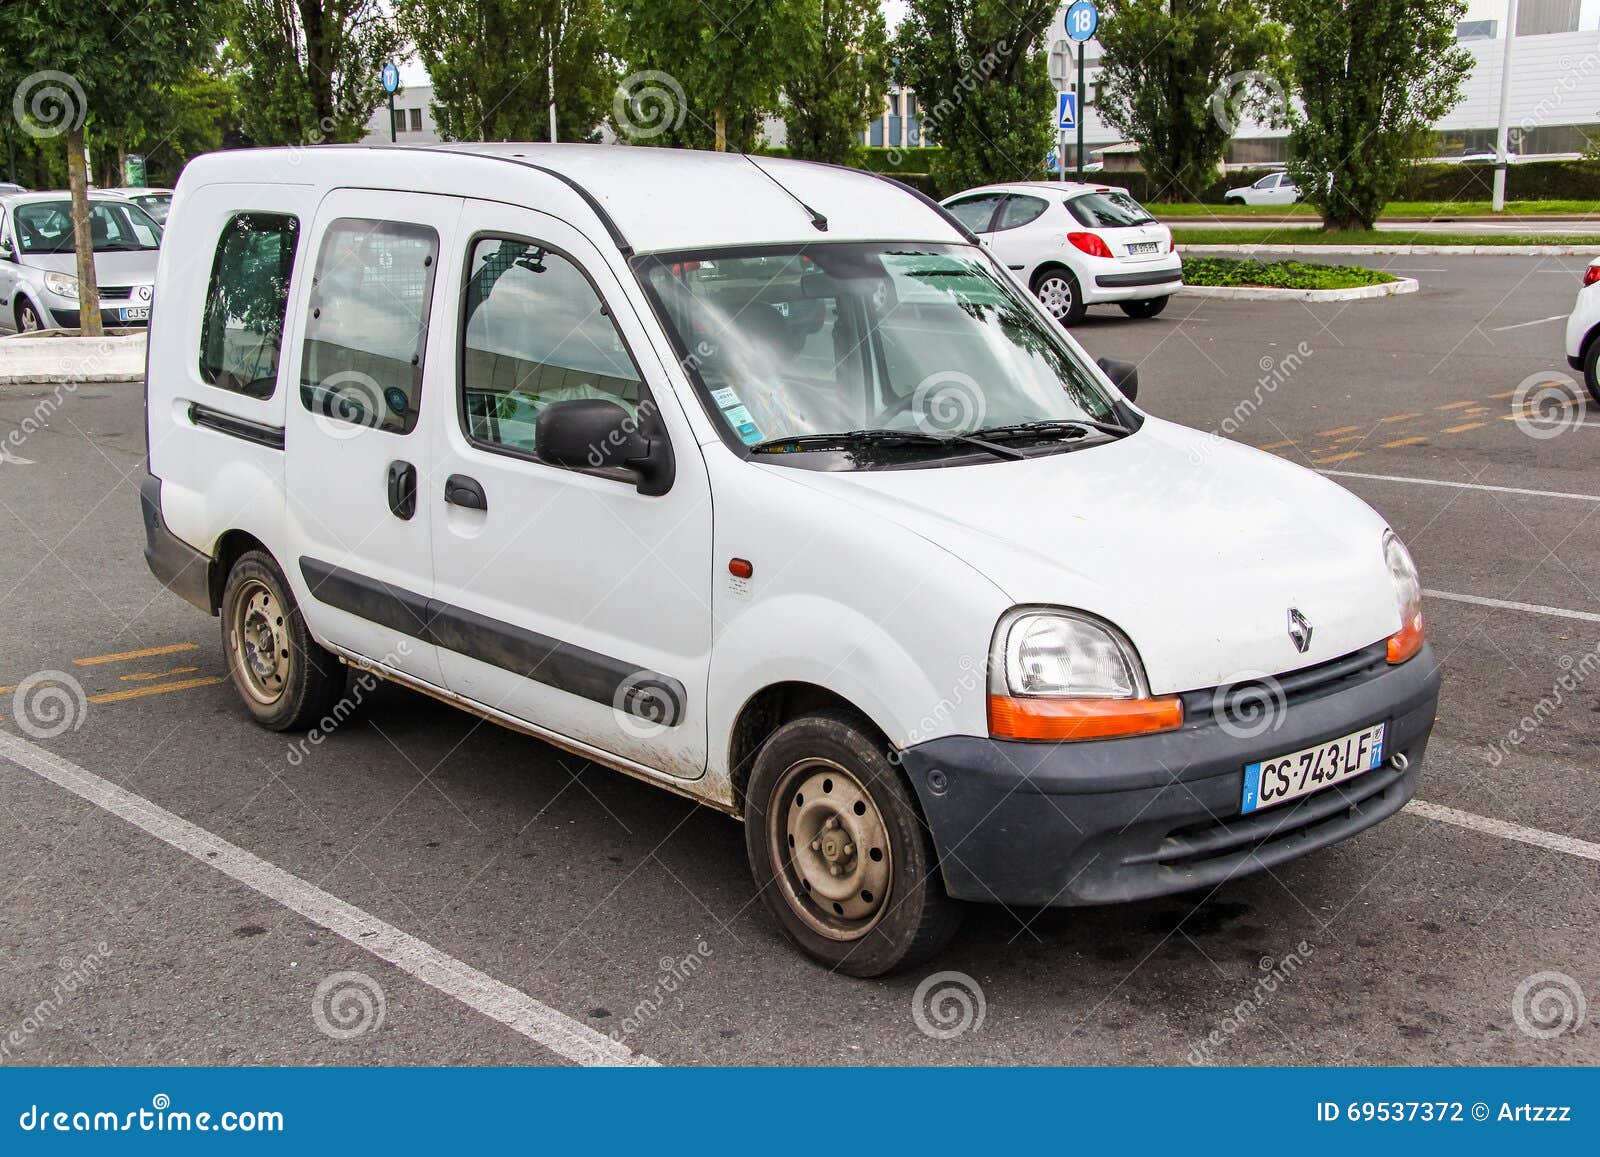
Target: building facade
x=413 y=119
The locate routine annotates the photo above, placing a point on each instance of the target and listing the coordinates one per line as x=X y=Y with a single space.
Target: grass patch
x=1229 y=271
x=1428 y=209
x=1298 y=236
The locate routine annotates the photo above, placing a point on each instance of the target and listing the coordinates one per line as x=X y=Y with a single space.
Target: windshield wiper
x=1079 y=427
x=807 y=442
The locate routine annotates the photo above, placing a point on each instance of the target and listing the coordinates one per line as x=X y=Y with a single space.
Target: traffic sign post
x=391 y=82
x=1066 y=121
x=1082 y=21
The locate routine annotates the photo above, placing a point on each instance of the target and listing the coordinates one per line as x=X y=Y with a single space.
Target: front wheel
x=28 y=319
x=839 y=852
x=1150 y=307
x=287 y=680
x=1591 y=370
x=1058 y=291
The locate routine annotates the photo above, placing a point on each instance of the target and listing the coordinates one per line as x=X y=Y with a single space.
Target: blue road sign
x=391 y=77
x=1083 y=20
x=1066 y=110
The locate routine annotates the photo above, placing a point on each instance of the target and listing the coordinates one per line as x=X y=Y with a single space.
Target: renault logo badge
x=1299 y=631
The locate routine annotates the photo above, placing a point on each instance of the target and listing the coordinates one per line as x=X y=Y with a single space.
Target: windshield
x=844 y=338
x=1109 y=210
x=156 y=205
x=116 y=226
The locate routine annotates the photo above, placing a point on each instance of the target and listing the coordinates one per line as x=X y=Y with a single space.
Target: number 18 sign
x=1083 y=20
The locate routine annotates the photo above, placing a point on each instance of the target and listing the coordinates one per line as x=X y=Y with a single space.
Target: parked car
x=1583 y=331
x=1075 y=245
x=7 y=189
x=156 y=202
x=38 y=261
x=762 y=483
x=1273 y=189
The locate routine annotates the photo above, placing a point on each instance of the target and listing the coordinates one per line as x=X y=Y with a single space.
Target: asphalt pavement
x=187 y=896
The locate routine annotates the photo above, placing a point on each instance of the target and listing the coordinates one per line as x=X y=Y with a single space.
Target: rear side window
x=975 y=212
x=1021 y=210
x=242 y=333
x=1108 y=210
x=536 y=332
x=368 y=324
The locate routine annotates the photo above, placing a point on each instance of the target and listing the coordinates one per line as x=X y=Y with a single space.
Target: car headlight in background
x=1407 y=641
x=1055 y=675
x=62 y=285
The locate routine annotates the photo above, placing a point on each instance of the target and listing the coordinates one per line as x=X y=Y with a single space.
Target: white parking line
x=1461 y=485
x=513 y=1008
x=1507 y=605
x=1526 y=324
x=1506 y=831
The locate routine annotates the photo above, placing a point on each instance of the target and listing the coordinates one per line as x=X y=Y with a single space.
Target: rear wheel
x=1149 y=307
x=1591 y=370
x=28 y=319
x=839 y=851
x=286 y=680
x=1058 y=291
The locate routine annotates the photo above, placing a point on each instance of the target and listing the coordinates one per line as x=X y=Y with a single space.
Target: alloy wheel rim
x=830 y=847
x=260 y=643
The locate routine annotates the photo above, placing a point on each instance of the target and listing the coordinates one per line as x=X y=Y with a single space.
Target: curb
x=1264 y=293
x=1405 y=250
x=32 y=360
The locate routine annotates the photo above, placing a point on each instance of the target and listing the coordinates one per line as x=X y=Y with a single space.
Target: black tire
x=28 y=318
x=1059 y=292
x=1149 y=307
x=1591 y=370
x=261 y=623
x=910 y=919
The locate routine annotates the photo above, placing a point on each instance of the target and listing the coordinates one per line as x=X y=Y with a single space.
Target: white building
x=413 y=119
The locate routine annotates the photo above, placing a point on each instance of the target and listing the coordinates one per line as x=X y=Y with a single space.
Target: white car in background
x=1583 y=331
x=1075 y=245
x=1273 y=189
x=156 y=202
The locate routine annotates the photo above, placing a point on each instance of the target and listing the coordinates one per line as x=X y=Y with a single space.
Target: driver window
x=368 y=324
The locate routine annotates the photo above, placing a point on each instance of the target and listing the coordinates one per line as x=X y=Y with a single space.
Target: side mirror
x=594 y=434
x=1123 y=375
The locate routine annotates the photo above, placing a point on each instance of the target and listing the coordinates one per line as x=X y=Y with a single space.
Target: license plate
x=134 y=313
x=1141 y=247
x=1299 y=773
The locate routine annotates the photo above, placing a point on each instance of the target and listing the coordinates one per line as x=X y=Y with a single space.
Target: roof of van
x=657 y=199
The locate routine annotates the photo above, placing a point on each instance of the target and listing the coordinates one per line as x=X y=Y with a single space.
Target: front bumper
x=110 y=316
x=1126 y=819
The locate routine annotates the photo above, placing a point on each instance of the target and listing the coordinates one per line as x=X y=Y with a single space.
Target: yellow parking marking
x=1400 y=417
x=146 y=653
x=1284 y=445
x=1348 y=438
x=1463 y=428
x=156 y=689
x=1456 y=405
x=1345 y=457
x=148 y=676
x=1477 y=410
x=1507 y=394
x=1399 y=442
x=1340 y=430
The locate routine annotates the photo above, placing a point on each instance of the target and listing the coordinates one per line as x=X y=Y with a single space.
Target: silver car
x=38 y=286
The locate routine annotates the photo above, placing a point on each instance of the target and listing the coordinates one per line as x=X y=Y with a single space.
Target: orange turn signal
x=1064 y=720
x=1407 y=641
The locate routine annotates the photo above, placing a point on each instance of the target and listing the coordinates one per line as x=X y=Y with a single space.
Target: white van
x=761 y=481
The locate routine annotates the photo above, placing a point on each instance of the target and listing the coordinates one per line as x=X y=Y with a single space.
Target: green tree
x=1374 y=76
x=310 y=69
x=837 y=80
x=79 y=62
x=490 y=63
x=703 y=73
x=983 y=85
x=1176 y=76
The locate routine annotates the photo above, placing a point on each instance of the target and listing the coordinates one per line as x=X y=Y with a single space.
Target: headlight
x=1056 y=675
x=1407 y=641
x=62 y=285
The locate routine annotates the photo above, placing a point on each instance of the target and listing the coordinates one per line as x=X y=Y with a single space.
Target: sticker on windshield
x=725 y=398
x=743 y=424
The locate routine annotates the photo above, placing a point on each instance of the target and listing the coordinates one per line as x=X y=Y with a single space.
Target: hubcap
x=260 y=643
x=30 y=321
x=1056 y=294
x=831 y=849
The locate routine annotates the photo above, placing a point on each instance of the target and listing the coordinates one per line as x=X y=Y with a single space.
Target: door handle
x=402 y=489
x=459 y=490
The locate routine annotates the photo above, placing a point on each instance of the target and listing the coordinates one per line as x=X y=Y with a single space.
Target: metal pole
x=391 y=118
x=1502 y=158
x=1083 y=105
x=551 y=73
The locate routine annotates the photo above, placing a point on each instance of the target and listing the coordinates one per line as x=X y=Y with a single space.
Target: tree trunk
x=722 y=131
x=88 y=287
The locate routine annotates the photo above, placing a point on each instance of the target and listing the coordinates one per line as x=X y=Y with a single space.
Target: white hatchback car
x=1273 y=189
x=1075 y=245
x=761 y=482
x=1583 y=331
